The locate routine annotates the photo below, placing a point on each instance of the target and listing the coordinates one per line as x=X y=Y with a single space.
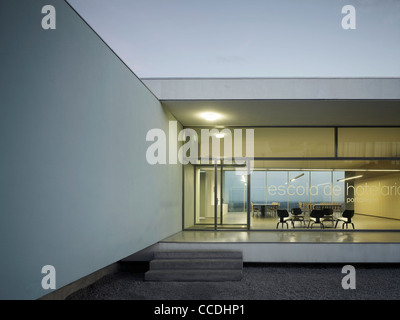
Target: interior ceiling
x=287 y=112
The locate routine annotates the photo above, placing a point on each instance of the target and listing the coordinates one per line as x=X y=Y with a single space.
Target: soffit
x=287 y=112
x=281 y=101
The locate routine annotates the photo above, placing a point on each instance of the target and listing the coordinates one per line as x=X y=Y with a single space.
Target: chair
x=346 y=218
x=255 y=209
x=328 y=215
x=297 y=216
x=316 y=216
x=282 y=214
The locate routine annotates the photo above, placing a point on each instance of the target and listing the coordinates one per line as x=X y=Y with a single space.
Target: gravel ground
x=259 y=282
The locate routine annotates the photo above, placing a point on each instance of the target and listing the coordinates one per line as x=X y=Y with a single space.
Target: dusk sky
x=249 y=38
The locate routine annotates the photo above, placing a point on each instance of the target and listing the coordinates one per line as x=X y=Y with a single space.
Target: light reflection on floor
x=286 y=236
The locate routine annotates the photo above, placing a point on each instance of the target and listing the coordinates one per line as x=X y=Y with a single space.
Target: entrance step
x=197 y=254
x=198 y=265
x=192 y=264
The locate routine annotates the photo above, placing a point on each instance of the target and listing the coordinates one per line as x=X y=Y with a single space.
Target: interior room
x=304 y=178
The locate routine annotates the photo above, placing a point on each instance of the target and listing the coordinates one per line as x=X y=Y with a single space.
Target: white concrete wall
x=76 y=189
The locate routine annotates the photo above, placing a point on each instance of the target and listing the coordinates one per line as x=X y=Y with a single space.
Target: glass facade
x=306 y=190
x=368 y=142
x=249 y=197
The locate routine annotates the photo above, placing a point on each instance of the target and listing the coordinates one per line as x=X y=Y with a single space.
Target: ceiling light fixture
x=220 y=135
x=351 y=178
x=295 y=178
x=210 y=116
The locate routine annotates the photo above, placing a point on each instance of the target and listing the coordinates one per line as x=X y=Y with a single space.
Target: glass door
x=231 y=197
x=204 y=198
x=215 y=197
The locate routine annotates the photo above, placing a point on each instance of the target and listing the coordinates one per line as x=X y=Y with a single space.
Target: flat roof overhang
x=281 y=101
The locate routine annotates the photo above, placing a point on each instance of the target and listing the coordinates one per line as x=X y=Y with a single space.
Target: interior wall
x=368 y=142
x=201 y=195
x=77 y=191
x=267 y=142
x=189 y=195
x=378 y=195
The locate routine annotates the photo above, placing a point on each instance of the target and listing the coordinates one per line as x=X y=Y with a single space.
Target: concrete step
x=195 y=265
x=197 y=254
x=193 y=275
x=191 y=264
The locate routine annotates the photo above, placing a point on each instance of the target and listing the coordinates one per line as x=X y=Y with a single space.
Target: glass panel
x=369 y=142
x=205 y=217
x=294 y=142
x=234 y=190
x=299 y=197
x=321 y=187
x=259 y=187
x=199 y=197
x=321 y=196
x=324 y=165
x=338 y=191
x=276 y=188
x=260 y=212
x=370 y=188
x=298 y=190
x=376 y=195
x=270 y=142
x=302 y=142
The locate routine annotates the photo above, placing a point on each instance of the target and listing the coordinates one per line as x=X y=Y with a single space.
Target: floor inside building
x=238 y=220
x=284 y=236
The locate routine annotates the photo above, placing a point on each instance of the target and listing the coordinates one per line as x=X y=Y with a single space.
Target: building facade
x=79 y=194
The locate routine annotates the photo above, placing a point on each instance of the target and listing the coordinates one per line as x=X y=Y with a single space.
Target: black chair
x=282 y=214
x=297 y=216
x=316 y=216
x=346 y=219
x=328 y=215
